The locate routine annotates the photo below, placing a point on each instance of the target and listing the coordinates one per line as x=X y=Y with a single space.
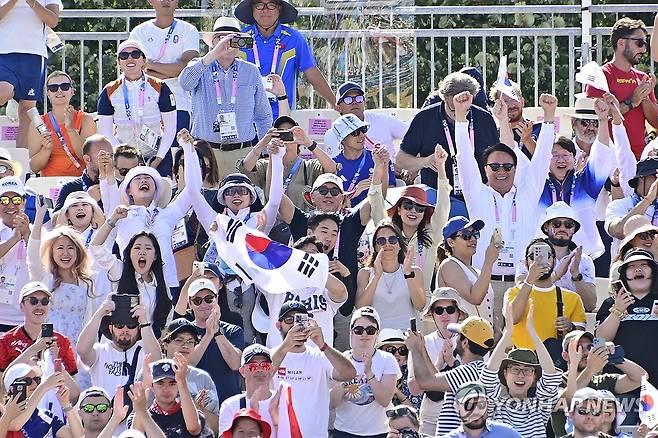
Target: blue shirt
x=493 y=429
x=294 y=56
x=81 y=183
x=42 y=424
x=347 y=170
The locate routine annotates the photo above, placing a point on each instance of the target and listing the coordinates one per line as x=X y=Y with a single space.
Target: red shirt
x=622 y=84
x=16 y=340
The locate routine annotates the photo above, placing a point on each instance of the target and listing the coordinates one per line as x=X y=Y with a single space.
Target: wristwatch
x=577 y=278
x=312 y=146
x=284 y=97
x=629 y=103
x=412 y=274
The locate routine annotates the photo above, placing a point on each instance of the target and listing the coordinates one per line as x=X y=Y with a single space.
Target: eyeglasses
x=401 y=411
x=122 y=326
x=135 y=54
x=359 y=330
x=334 y=191
x=586 y=122
x=361 y=130
x=262 y=6
x=255 y=366
x=16 y=200
x=34 y=301
x=410 y=205
x=517 y=371
x=471 y=404
x=401 y=350
x=565 y=157
x=448 y=309
x=566 y=224
x=198 y=300
x=392 y=240
x=64 y=86
x=640 y=42
x=123 y=171
x=238 y=190
x=349 y=100
x=291 y=319
x=101 y=408
x=30 y=380
x=647 y=235
x=184 y=343
x=469 y=234
x=496 y=166
x=592 y=412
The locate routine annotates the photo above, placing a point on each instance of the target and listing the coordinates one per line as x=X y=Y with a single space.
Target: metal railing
x=399 y=61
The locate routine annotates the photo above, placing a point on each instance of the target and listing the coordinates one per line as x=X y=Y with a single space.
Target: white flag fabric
x=270 y=265
x=503 y=84
x=648 y=403
x=592 y=74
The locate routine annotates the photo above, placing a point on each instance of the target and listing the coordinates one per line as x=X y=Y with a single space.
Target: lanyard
x=421 y=260
x=60 y=136
x=451 y=144
x=371 y=145
x=358 y=173
x=126 y=99
x=291 y=175
x=275 y=55
x=562 y=194
x=218 y=90
x=88 y=240
x=513 y=209
x=150 y=217
x=85 y=186
x=163 y=48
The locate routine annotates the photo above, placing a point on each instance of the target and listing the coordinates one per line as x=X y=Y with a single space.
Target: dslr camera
x=408 y=433
x=242 y=42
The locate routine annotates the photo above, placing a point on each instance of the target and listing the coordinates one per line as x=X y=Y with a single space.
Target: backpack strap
x=560 y=308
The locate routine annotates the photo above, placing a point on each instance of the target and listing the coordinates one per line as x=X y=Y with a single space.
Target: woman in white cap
x=140 y=109
x=82 y=213
x=392 y=341
x=361 y=403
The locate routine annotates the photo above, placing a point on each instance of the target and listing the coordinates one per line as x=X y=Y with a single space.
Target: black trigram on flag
x=231 y=229
x=308 y=265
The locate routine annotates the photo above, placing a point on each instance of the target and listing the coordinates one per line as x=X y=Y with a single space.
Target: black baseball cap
x=181 y=325
x=290 y=306
x=284 y=119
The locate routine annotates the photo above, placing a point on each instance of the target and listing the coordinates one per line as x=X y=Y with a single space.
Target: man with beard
x=574 y=270
x=586 y=414
x=633 y=88
x=471 y=404
x=541 y=289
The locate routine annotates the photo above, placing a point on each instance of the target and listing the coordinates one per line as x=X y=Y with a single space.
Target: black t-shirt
x=350 y=232
x=172 y=425
x=426 y=130
x=634 y=333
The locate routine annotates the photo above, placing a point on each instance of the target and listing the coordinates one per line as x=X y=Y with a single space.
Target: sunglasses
x=410 y=205
x=135 y=54
x=448 y=309
x=640 y=42
x=198 y=300
x=122 y=326
x=123 y=171
x=566 y=224
x=262 y=6
x=361 y=130
x=16 y=200
x=469 y=234
x=239 y=190
x=34 y=301
x=392 y=240
x=255 y=366
x=349 y=100
x=101 y=408
x=30 y=380
x=64 y=86
x=496 y=166
x=516 y=371
x=401 y=411
x=647 y=235
x=593 y=412
x=334 y=191
x=585 y=123
x=359 y=330
x=471 y=404
x=401 y=350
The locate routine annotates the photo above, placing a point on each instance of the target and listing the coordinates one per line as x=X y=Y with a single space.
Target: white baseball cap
x=11 y=184
x=32 y=287
x=201 y=284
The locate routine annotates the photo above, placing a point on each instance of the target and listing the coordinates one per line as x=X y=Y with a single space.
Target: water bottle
x=12 y=110
x=38 y=121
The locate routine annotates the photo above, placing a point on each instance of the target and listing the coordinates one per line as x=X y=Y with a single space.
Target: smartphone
x=198 y=267
x=123 y=305
x=46 y=330
x=301 y=319
x=541 y=250
x=242 y=42
x=412 y=324
x=58 y=365
x=46 y=201
x=617 y=286
x=497 y=236
x=598 y=342
x=617 y=356
x=284 y=134
x=19 y=387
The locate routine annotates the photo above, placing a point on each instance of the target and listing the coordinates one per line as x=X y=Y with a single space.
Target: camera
x=407 y=433
x=242 y=42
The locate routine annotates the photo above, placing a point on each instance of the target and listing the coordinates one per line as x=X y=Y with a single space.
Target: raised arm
x=343 y=368
x=34 y=264
x=500 y=352
x=575 y=354
x=190 y=413
x=520 y=301
x=89 y=333
x=277 y=150
x=424 y=373
x=442 y=207
x=535 y=177
x=607 y=329
x=366 y=282
x=469 y=173
x=499 y=111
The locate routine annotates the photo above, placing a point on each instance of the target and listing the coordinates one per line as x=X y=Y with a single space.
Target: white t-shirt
x=29 y=32
x=384 y=129
x=309 y=375
x=359 y=404
x=317 y=302
x=183 y=38
x=108 y=370
x=231 y=406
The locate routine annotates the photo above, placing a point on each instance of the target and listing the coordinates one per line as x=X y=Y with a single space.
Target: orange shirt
x=60 y=164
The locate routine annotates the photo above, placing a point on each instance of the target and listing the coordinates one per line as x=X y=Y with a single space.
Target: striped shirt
x=449 y=417
x=528 y=416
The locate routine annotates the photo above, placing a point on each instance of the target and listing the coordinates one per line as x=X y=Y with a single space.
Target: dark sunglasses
x=122 y=326
x=401 y=350
x=401 y=411
x=135 y=54
x=64 y=86
x=647 y=235
x=566 y=224
x=29 y=380
x=16 y=200
x=123 y=171
x=496 y=166
x=640 y=42
x=440 y=309
x=469 y=234
x=34 y=301
x=585 y=123
x=410 y=205
x=239 y=190
x=334 y=191
x=255 y=366
x=198 y=300
x=361 y=130
x=473 y=403
x=358 y=330
x=349 y=100
x=593 y=412
x=101 y=408
x=392 y=240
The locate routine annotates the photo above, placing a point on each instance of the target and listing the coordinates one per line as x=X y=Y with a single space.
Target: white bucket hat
x=222 y=24
x=345 y=125
x=81 y=197
x=557 y=210
x=162 y=185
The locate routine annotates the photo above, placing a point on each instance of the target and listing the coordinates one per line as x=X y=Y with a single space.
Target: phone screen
x=412 y=324
x=46 y=330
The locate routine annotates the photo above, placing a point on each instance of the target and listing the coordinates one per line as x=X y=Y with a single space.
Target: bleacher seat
x=315 y=121
x=21 y=155
x=8 y=132
x=47 y=185
x=404 y=114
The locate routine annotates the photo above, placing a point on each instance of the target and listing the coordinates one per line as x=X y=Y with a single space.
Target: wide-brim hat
x=636 y=255
x=222 y=24
x=520 y=356
x=266 y=429
x=558 y=210
x=15 y=165
x=584 y=109
x=98 y=217
x=390 y=336
x=244 y=13
x=347 y=124
x=635 y=225
x=235 y=180
x=443 y=293
x=645 y=167
x=163 y=186
x=418 y=196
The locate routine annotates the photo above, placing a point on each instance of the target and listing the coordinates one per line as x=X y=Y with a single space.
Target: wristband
x=312 y=146
x=284 y=97
x=67 y=409
x=370 y=378
x=110 y=223
x=146 y=324
x=528 y=284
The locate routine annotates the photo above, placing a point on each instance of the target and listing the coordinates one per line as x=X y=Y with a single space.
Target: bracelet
x=370 y=378
x=146 y=324
x=324 y=347
x=618 y=313
x=284 y=97
x=67 y=409
x=528 y=284
x=110 y=223
x=312 y=146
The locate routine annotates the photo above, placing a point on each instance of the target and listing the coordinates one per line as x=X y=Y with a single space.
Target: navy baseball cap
x=458 y=223
x=214 y=269
x=346 y=88
x=284 y=119
x=290 y=306
x=163 y=369
x=181 y=325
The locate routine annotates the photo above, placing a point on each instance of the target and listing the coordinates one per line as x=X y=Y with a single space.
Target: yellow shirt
x=545 y=314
